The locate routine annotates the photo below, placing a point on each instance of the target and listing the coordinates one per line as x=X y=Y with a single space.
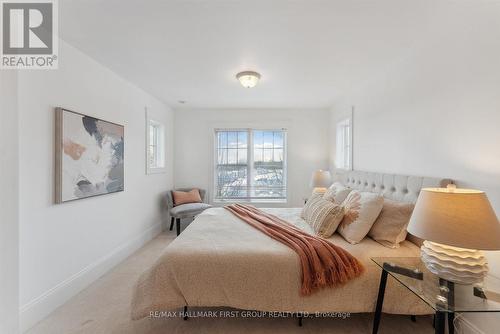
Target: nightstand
x=444 y=297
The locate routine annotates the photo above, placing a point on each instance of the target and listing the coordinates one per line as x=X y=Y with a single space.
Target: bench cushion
x=188 y=210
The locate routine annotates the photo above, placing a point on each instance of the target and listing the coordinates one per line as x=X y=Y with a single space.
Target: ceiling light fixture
x=248 y=79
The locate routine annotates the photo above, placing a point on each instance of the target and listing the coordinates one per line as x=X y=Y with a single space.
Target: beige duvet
x=219 y=260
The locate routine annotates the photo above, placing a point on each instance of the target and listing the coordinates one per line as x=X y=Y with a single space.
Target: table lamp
x=456 y=225
x=321 y=179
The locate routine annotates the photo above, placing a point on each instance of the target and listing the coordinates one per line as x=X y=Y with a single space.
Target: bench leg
x=178 y=225
x=171 y=223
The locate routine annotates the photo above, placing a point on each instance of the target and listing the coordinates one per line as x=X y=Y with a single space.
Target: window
x=343 y=158
x=250 y=165
x=155 y=162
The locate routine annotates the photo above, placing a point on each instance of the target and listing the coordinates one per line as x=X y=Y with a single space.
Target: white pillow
x=389 y=228
x=337 y=193
x=361 y=211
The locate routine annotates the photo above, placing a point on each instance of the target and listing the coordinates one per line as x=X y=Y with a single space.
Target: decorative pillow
x=390 y=227
x=322 y=215
x=184 y=197
x=337 y=193
x=361 y=210
x=315 y=195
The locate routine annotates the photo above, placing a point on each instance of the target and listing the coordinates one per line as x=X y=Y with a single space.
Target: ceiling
x=308 y=52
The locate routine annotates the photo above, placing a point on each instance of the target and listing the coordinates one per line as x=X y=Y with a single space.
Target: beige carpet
x=104 y=307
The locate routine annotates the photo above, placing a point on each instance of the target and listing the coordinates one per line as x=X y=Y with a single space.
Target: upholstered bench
x=188 y=210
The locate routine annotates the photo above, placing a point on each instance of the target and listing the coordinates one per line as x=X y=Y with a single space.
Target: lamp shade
x=321 y=179
x=456 y=217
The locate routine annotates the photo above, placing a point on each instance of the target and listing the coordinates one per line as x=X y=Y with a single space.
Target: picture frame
x=89 y=156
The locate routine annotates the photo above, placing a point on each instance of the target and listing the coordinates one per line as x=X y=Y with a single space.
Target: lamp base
x=459 y=265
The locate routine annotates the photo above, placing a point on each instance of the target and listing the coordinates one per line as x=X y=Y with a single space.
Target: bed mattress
x=219 y=260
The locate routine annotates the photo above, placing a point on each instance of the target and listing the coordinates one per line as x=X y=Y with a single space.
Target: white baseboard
x=40 y=307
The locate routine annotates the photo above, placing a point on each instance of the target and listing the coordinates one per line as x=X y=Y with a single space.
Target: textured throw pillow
x=337 y=193
x=322 y=215
x=184 y=197
x=361 y=210
x=390 y=227
x=309 y=201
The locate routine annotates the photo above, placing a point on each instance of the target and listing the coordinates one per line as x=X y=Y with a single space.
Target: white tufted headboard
x=400 y=188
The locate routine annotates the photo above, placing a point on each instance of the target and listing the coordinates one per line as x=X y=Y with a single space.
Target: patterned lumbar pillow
x=322 y=215
x=361 y=211
x=337 y=193
x=390 y=227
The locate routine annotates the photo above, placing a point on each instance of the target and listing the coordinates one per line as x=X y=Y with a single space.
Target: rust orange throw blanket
x=323 y=263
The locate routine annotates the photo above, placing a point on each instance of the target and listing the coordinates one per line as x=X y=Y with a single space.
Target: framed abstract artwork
x=89 y=156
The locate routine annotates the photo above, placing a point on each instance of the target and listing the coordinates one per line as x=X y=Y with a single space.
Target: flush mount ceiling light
x=248 y=79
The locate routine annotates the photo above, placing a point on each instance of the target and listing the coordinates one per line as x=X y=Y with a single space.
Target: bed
x=220 y=261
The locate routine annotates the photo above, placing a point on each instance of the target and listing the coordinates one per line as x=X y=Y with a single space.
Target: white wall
x=65 y=247
x=307 y=139
x=9 y=203
x=437 y=112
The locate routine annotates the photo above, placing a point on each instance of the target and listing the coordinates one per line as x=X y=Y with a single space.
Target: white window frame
x=159 y=143
x=343 y=144
x=250 y=161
